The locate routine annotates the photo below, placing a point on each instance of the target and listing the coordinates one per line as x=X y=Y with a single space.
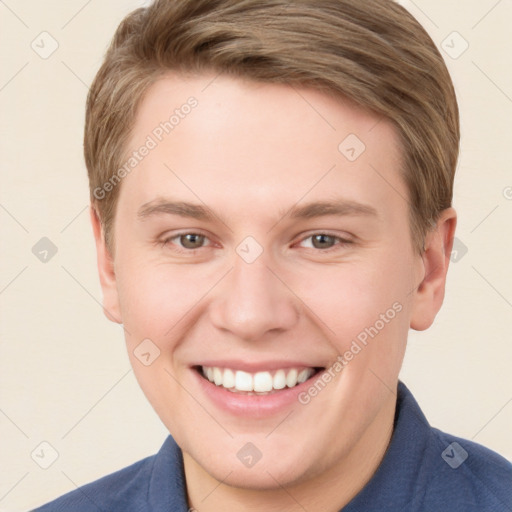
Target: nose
x=252 y=300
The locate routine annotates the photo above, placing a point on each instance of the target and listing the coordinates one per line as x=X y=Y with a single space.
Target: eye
x=325 y=241
x=189 y=242
x=186 y=242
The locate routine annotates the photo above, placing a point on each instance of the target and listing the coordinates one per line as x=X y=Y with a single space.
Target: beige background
x=64 y=376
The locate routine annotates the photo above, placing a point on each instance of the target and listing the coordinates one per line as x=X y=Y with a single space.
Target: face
x=265 y=275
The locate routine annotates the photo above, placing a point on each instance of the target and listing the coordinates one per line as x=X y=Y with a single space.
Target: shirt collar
x=395 y=481
x=167 y=489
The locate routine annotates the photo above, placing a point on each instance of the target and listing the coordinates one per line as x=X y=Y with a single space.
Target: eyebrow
x=181 y=208
x=340 y=207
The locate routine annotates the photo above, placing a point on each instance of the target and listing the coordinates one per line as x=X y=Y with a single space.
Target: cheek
x=349 y=298
x=155 y=298
x=361 y=301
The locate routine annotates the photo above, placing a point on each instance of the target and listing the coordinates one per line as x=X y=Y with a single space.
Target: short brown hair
x=372 y=52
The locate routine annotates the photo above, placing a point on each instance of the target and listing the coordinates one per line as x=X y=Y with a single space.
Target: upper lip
x=260 y=366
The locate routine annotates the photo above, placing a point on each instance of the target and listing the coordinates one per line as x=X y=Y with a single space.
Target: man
x=271 y=188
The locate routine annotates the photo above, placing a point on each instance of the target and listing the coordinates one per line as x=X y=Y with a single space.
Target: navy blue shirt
x=423 y=470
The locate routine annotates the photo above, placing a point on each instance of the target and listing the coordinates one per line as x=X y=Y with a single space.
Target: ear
x=429 y=295
x=106 y=270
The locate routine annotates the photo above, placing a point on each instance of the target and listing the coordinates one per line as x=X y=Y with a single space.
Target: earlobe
x=429 y=294
x=105 y=270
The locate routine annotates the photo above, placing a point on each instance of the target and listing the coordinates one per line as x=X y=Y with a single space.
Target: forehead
x=258 y=147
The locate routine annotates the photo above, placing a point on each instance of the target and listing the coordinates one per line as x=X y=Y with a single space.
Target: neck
x=329 y=491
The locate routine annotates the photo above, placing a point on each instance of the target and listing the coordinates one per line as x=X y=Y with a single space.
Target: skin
x=250 y=152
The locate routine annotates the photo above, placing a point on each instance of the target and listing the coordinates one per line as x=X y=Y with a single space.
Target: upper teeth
x=237 y=380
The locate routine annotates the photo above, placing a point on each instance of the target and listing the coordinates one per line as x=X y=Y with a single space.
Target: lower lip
x=256 y=406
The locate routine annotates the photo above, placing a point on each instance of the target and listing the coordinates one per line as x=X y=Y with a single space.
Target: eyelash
x=343 y=242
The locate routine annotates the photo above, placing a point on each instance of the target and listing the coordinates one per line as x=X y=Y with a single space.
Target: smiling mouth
x=258 y=383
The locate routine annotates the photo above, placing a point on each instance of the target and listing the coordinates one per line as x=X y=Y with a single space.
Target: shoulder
x=124 y=490
x=154 y=483
x=466 y=475
x=428 y=470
